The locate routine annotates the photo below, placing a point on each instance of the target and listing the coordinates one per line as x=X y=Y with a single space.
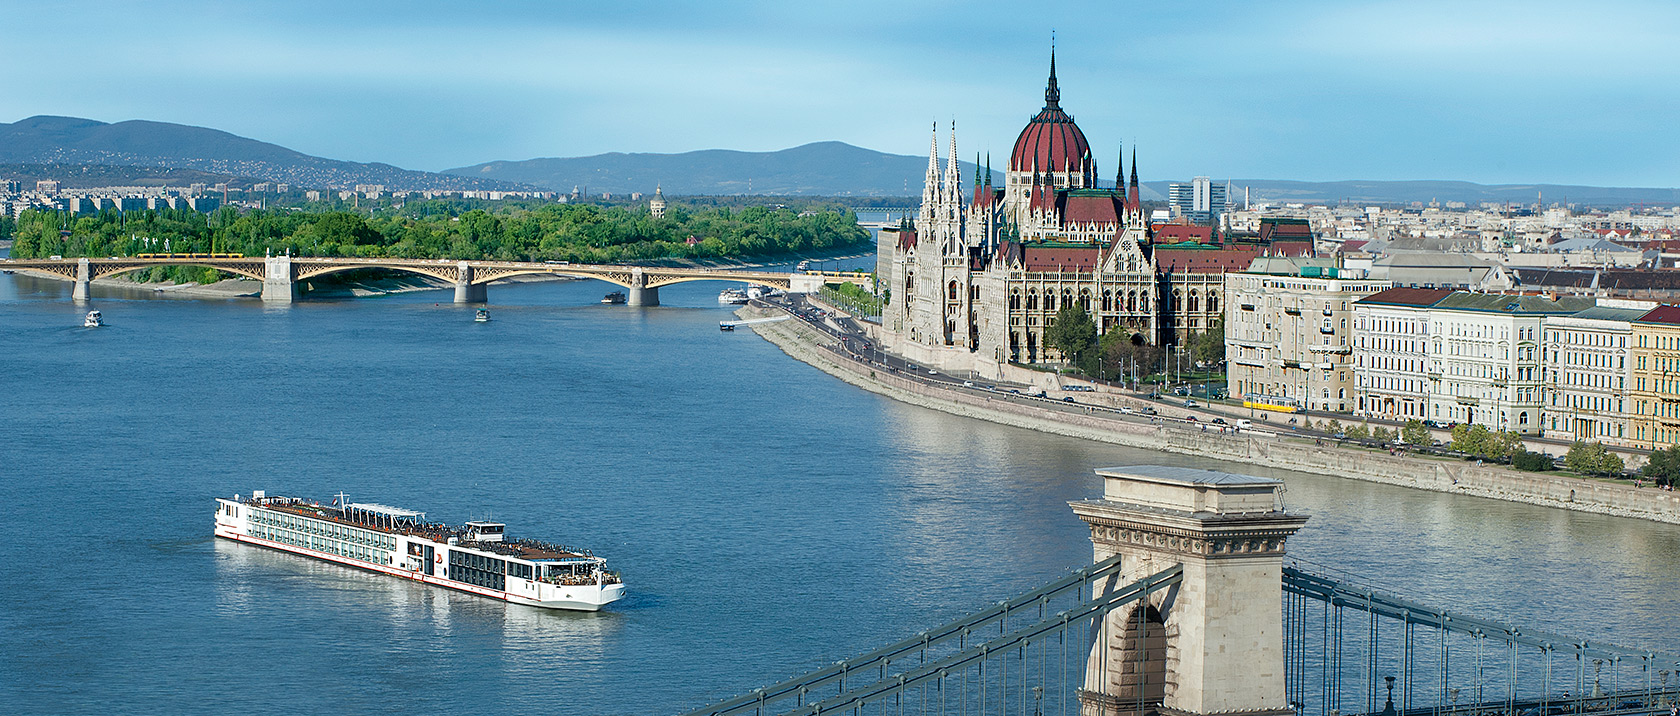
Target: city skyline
x=1499 y=93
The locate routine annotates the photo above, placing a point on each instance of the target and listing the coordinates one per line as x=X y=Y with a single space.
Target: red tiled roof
x=1408 y=296
x=1662 y=314
x=1225 y=260
x=1044 y=258
x=1180 y=233
x=1082 y=208
x=1356 y=245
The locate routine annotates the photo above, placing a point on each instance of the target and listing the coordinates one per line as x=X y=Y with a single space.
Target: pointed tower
x=1135 y=197
x=930 y=183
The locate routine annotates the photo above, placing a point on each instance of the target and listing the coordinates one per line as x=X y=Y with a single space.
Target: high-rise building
x=1201 y=201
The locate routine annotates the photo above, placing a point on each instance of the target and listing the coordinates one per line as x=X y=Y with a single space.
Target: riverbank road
x=852 y=343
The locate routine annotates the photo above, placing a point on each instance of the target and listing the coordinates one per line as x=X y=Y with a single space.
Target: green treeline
x=580 y=233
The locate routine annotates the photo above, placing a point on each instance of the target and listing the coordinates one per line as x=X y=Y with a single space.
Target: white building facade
x=1588 y=371
x=1391 y=353
x=1288 y=337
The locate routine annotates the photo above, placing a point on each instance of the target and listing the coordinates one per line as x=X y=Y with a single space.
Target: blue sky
x=1497 y=92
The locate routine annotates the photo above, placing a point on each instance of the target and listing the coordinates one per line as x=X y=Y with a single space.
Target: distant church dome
x=1051 y=142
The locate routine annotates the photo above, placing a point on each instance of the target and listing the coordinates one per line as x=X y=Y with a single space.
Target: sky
x=1496 y=92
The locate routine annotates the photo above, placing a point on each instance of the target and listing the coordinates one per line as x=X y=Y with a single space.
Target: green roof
x=1498 y=303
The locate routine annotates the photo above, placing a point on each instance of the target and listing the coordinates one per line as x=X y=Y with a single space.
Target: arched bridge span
x=280 y=274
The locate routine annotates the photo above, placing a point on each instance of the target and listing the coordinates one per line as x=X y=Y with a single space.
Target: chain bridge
x=281 y=275
x=1189 y=609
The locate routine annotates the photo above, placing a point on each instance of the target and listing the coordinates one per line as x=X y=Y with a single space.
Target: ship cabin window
x=520 y=570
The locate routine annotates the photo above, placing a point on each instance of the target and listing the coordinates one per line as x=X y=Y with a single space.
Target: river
x=768 y=519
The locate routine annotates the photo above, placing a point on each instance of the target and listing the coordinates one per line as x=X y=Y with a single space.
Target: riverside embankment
x=819 y=349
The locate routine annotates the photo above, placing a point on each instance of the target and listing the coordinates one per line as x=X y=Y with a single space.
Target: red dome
x=1051 y=142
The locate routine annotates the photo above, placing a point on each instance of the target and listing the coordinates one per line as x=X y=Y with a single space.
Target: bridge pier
x=1214 y=642
x=639 y=294
x=465 y=290
x=279 y=286
x=84 y=276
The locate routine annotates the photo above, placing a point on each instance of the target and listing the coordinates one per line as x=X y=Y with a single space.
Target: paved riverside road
x=856 y=346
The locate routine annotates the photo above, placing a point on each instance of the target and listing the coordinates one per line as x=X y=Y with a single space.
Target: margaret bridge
x=1191 y=610
x=282 y=275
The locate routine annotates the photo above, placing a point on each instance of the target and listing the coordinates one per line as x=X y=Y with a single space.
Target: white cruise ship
x=475 y=557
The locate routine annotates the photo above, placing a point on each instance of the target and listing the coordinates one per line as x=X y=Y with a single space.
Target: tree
x=1532 y=461
x=1414 y=432
x=1382 y=435
x=1334 y=427
x=1663 y=466
x=1209 y=347
x=1469 y=439
x=1359 y=432
x=1072 y=332
x=1592 y=459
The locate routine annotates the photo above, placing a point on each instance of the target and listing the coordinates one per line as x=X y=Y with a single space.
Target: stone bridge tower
x=1213 y=644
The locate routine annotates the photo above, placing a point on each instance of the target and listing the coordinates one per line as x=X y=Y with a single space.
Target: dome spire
x=1052 y=95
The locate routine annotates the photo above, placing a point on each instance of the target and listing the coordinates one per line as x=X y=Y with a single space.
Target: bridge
x=1189 y=610
x=281 y=275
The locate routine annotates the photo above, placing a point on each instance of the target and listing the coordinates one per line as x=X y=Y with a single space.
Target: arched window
x=1522 y=418
x=1049 y=300
x=1195 y=305
x=1108 y=300
x=1177 y=299
x=1015 y=299
x=1032 y=299
x=1131 y=301
x=1213 y=301
x=1085 y=299
x=951 y=291
x=1143 y=302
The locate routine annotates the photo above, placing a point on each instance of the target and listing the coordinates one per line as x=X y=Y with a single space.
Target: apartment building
x=1391 y=353
x=1588 y=372
x=1654 y=394
x=1287 y=335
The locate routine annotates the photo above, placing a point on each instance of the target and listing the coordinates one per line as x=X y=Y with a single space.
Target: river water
x=768 y=519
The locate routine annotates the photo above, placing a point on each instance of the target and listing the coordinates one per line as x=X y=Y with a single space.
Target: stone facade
x=1214 y=642
x=1288 y=333
x=974 y=283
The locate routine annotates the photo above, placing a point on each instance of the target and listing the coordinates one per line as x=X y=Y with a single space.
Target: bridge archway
x=441 y=272
x=248 y=271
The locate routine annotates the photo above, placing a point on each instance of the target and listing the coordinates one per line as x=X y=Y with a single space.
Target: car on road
x=1190 y=419
x=1080 y=388
x=1149 y=411
x=932 y=372
x=1127 y=409
x=1218 y=421
x=968 y=384
x=1067 y=398
x=1192 y=404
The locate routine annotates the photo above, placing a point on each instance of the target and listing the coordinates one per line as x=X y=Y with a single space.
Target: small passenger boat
x=614 y=297
x=93 y=320
x=726 y=326
x=482 y=316
x=732 y=297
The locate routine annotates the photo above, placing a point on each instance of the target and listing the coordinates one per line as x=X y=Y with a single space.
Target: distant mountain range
x=92 y=153
x=817 y=169
x=72 y=141
x=1405 y=192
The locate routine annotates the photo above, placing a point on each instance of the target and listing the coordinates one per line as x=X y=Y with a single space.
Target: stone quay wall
x=1250 y=447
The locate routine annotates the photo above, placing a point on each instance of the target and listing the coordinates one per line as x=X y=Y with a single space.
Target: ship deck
x=438 y=532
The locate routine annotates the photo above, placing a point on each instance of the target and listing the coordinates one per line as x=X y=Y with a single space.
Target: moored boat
x=732 y=297
x=93 y=320
x=614 y=297
x=482 y=316
x=476 y=557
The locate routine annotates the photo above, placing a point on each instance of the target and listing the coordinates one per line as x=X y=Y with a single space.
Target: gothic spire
x=930 y=186
x=1052 y=95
